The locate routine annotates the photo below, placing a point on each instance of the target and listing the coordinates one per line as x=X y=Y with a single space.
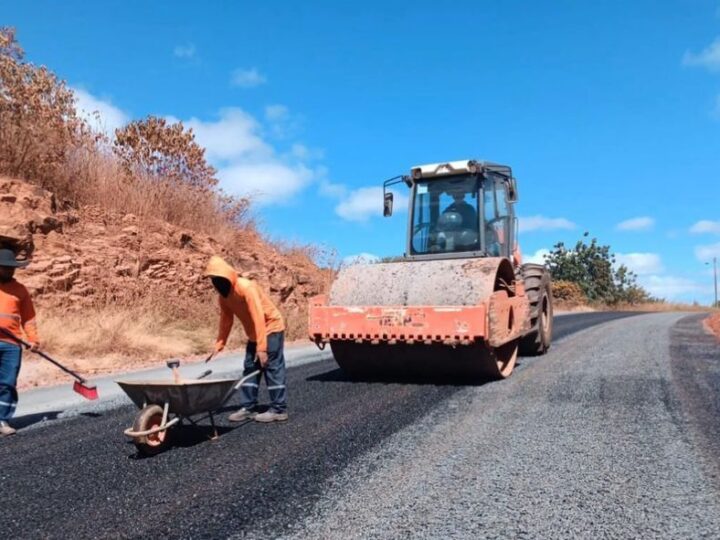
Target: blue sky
x=608 y=112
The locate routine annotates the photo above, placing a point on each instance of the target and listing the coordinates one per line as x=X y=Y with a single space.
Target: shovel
x=80 y=386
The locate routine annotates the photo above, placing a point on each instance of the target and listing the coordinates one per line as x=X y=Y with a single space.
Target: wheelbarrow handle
x=246 y=378
x=42 y=354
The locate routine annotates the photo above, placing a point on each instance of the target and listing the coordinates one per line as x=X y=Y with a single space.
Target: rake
x=80 y=386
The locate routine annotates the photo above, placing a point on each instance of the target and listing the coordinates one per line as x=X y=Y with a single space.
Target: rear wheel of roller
x=539 y=293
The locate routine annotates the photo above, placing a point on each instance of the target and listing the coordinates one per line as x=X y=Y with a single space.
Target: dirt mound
x=713 y=324
x=88 y=256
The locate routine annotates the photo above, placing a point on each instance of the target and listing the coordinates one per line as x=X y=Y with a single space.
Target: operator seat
x=453 y=235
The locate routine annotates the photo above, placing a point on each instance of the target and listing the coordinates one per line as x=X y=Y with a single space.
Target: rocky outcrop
x=85 y=255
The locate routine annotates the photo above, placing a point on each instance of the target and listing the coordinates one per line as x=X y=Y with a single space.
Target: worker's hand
x=219 y=346
x=262 y=358
x=35 y=346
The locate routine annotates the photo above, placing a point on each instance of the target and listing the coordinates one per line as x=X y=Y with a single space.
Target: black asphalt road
x=80 y=477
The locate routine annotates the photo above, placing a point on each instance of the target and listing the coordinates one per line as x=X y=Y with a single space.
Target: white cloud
x=706 y=226
x=641 y=263
x=301 y=151
x=538 y=257
x=247 y=78
x=643 y=223
x=363 y=203
x=186 y=51
x=542 y=223
x=281 y=123
x=360 y=258
x=673 y=287
x=270 y=182
x=707 y=252
x=708 y=58
x=276 y=112
x=248 y=165
x=234 y=135
x=329 y=189
x=101 y=114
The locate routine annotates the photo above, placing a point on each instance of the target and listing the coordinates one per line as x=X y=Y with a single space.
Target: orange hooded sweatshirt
x=248 y=302
x=17 y=312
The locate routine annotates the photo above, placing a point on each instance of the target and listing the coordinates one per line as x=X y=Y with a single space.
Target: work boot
x=5 y=429
x=271 y=416
x=242 y=414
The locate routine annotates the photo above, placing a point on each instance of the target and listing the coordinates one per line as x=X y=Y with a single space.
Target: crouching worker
x=16 y=314
x=265 y=329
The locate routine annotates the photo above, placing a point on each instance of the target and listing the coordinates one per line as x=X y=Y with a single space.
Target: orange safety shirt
x=17 y=312
x=248 y=302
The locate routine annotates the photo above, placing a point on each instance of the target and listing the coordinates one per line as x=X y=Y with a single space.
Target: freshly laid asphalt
x=78 y=477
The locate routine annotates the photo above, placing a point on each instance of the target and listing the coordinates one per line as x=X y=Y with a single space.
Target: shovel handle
x=42 y=354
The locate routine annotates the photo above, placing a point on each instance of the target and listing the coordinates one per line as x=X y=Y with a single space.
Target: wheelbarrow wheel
x=148 y=418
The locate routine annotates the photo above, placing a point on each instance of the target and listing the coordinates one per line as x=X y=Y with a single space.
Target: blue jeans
x=10 y=356
x=274 y=374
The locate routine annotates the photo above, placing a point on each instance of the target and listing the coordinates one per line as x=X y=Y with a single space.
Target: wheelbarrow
x=164 y=404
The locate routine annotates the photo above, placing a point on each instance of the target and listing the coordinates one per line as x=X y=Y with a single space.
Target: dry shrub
x=100 y=180
x=568 y=293
x=38 y=122
x=152 y=168
x=663 y=306
x=160 y=149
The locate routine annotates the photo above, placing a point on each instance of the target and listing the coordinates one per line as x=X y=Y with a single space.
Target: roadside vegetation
x=587 y=276
x=589 y=273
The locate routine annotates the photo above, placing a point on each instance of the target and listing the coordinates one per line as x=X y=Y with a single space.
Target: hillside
x=116 y=291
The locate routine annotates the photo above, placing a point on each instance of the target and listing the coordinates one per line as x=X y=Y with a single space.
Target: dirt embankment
x=115 y=292
x=712 y=323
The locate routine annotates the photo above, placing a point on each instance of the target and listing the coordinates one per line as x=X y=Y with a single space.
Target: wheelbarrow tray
x=185 y=398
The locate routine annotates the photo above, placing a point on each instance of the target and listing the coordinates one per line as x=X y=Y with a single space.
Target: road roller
x=459 y=303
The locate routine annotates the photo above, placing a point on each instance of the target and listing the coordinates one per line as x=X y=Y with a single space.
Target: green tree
x=593 y=268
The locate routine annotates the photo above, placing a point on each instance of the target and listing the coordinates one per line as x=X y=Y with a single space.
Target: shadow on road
x=339 y=376
x=186 y=436
x=20 y=422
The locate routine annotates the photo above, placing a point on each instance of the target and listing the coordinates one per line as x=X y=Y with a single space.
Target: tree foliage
x=39 y=126
x=593 y=268
x=168 y=151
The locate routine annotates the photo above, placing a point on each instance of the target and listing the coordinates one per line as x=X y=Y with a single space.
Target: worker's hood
x=217 y=267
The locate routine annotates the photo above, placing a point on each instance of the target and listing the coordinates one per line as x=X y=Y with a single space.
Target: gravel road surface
x=599 y=438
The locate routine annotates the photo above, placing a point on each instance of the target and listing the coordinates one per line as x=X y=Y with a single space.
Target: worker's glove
x=219 y=346
x=262 y=359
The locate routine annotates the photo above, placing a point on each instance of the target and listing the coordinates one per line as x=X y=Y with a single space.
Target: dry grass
x=98 y=179
x=649 y=307
x=115 y=338
x=111 y=339
x=659 y=307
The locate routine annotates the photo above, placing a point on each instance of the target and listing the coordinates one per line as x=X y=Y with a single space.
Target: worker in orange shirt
x=16 y=315
x=265 y=329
